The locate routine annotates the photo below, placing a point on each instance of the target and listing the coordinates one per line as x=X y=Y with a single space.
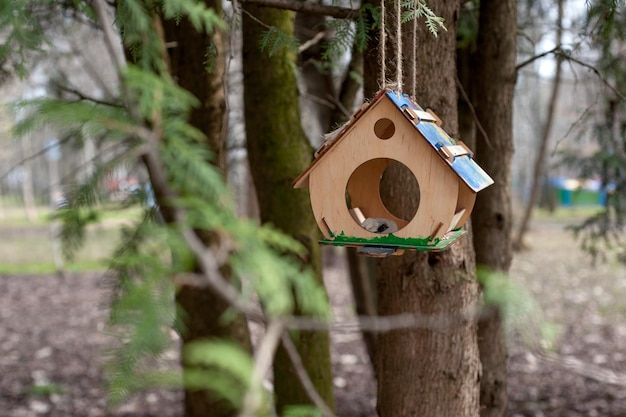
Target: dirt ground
x=52 y=341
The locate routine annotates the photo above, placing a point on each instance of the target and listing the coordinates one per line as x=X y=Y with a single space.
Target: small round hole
x=384 y=128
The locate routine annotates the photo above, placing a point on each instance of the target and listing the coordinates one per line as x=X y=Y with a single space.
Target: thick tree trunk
x=494 y=81
x=202 y=312
x=203 y=76
x=427 y=371
x=278 y=151
x=198 y=62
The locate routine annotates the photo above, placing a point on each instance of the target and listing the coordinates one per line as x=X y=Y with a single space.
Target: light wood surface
x=328 y=181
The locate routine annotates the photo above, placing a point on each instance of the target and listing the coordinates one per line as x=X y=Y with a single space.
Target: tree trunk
x=545 y=138
x=427 y=371
x=278 y=151
x=198 y=61
x=494 y=81
x=202 y=312
x=203 y=76
x=28 y=194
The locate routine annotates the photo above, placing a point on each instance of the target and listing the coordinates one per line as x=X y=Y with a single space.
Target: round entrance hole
x=383 y=188
x=384 y=128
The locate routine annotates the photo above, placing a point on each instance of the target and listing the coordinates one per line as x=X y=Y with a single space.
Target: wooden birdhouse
x=344 y=180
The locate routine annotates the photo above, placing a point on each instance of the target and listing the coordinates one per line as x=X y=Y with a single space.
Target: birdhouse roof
x=456 y=154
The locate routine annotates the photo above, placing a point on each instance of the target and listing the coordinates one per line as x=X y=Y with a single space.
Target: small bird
x=379 y=225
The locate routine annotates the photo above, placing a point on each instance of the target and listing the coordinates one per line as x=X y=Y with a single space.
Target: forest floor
x=52 y=341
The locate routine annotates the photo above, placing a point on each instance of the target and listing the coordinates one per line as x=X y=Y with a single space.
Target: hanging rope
x=414 y=54
x=399 y=45
x=383 y=45
x=399 y=57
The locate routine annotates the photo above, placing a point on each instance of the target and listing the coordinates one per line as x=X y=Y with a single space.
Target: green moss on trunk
x=278 y=151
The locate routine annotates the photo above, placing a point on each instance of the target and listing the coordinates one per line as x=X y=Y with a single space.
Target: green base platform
x=388 y=244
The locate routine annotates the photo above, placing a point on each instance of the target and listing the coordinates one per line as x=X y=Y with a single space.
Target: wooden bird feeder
x=344 y=179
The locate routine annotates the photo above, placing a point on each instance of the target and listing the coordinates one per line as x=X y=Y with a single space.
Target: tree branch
x=383 y=324
x=35 y=155
x=263 y=359
x=578 y=367
x=303 y=376
x=467 y=100
x=536 y=57
x=597 y=72
x=83 y=97
x=311 y=42
x=306 y=7
x=558 y=50
x=576 y=123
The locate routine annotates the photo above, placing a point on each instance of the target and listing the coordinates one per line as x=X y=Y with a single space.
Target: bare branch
x=576 y=123
x=263 y=359
x=383 y=324
x=339 y=105
x=307 y=7
x=303 y=376
x=83 y=97
x=536 y=57
x=319 y=36
x=597 y=72
x=479 y=125
x=35 y=155
x=558 y=50
x=587 y=370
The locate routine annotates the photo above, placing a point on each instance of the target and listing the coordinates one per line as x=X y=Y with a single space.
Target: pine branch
x=209 y=265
